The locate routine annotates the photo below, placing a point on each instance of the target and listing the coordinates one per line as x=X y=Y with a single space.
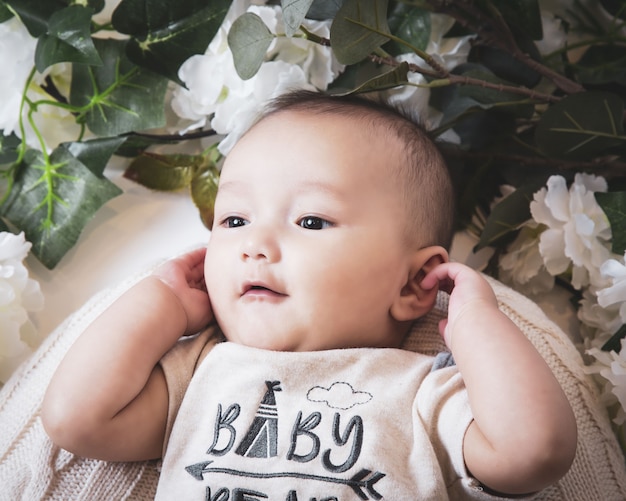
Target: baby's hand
x=185 y=277
x=469 y=293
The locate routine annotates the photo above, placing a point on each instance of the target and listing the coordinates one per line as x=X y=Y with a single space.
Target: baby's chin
x=263 y=342
x=276 y=342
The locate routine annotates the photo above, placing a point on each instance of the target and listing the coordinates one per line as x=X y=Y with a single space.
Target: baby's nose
x=260 y=243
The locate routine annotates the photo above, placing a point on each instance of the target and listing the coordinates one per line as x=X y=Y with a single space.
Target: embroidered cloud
x=338 y=396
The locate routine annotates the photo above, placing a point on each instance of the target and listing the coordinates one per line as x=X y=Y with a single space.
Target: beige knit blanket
x=32 y=468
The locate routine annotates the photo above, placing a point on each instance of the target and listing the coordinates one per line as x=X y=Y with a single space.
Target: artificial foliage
x=520 y=116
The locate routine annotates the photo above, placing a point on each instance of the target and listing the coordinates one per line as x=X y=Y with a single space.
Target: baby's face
x=307 y=248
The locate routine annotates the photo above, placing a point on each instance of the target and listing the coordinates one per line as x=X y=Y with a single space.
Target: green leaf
x=508 y=215
x=163 y=172
x=391 y=79
x=505 y=66
x=95 y=153
x=5 y=15
x=68 y=39
x=615 y=343
x=603 y=64
x=615 y=7
x=136 y=143
x=203 y=193
x=581 y=125
x=324 y=9
x=249 y=40
x=411 y=24
x=294 y=12
x=35 y=13
x=458 y=101
x=96 y=5
x=523 y=16
x=165 y=34
x=8 y=148
x=484 y=95
x=117 y=97
x=53 y=217
x=614 y=206
x=359 y=28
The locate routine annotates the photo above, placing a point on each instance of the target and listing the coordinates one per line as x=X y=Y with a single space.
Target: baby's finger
x=443 y=323
x=441 y=276
x=195 y=258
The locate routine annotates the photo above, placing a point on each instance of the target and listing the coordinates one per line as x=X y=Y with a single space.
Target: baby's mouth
x=260 y=290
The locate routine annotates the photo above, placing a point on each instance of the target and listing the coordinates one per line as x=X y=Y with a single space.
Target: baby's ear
x=413 y=301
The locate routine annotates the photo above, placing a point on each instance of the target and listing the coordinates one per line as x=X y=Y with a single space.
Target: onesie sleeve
x=443 y=405
x=179 y=364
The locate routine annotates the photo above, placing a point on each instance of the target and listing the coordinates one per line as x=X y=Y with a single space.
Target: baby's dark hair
x=423 y=177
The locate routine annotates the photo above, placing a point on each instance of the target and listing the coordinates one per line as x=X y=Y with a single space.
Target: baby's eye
x=234 y=222
x=314 y=223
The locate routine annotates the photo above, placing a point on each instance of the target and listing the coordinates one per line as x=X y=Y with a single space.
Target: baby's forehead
x=369 y=129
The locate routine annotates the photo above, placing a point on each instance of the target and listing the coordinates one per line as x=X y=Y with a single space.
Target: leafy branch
x=492 y=30
x=117 y=91
x=518 y=115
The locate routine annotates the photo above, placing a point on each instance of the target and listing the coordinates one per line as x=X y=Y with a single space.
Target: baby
x=332 y=220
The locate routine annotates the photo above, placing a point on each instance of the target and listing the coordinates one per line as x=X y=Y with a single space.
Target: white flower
x=598 y=323
x=18 y=53
x=615 y=294
x=56 y=125
x=554 y=36
x=209 y=76
x=317 y=61
x=611 y=366
x=522 y=265
x=239 y=111
x=104 y=16
x=19 y=295
x=578 y=231
x=449 y=52
x=215 y=92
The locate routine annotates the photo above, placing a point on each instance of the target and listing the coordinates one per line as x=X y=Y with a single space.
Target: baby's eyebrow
x=237 y=187
x=316 y=186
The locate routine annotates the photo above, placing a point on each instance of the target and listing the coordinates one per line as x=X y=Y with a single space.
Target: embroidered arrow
x=362 y=483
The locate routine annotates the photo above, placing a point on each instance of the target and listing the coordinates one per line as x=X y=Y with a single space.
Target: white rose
x=598 y=323
x=615 y=294
x=611 y=366
x=239 y=111
x=578 y=231
x=448 y=52
x=18 y=56
x=317 y=61
x=215 y=92
x=19 y=295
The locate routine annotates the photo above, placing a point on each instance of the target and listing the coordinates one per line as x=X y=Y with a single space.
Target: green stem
x=430 y=61
x=57 y=104
x=24 y=101
x=21 y=150
x=40 y=139
x=584 y=43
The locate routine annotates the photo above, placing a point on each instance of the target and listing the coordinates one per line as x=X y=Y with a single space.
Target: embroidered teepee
x=261 y=439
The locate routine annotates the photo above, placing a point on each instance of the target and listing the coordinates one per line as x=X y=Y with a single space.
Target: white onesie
x=349 y=425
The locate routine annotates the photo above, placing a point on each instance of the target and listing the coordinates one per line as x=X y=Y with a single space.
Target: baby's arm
x=523 y=437
x=108 y=398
